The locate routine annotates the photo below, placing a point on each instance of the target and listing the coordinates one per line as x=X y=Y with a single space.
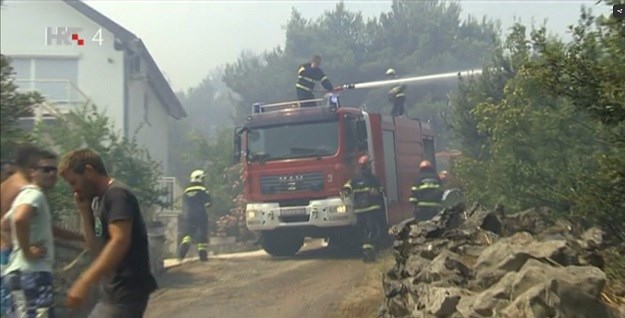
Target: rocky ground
x=480 y=263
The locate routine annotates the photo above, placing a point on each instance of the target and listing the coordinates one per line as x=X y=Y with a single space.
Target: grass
x=364 y=299
x=614 y=291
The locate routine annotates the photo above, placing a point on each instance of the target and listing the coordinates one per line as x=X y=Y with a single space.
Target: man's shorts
x=4 y=298
x=105 y=309
x=30 y=294
x=4 y=293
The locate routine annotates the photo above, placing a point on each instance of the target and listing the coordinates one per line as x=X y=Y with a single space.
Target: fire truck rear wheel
x=281 y=243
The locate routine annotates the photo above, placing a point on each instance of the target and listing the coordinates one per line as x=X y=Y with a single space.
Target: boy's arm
x=84 y=209
x=112 y=253
x=22 y=217
x=64 y=234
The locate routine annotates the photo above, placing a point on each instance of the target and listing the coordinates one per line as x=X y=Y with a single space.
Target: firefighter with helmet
x=368 y=200
x=196 y=201
x=427 y=193
x=396 y=95
x=308 y=74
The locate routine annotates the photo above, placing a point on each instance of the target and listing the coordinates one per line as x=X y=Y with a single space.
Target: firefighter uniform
x=367 y=199
x=426 y=194
x=195 y=219
x=307 y=76
x=396 y=95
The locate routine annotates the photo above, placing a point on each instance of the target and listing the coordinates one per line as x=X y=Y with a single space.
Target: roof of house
x=161 y=87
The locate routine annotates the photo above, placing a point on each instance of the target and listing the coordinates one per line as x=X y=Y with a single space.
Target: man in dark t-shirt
x=116 y=235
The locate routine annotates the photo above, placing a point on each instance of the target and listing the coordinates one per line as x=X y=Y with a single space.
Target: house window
x=53 y=78
x=134 y=64
x=146 y=108
x=28 y=123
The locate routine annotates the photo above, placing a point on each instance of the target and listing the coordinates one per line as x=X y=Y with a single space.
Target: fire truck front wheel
x=281 y=243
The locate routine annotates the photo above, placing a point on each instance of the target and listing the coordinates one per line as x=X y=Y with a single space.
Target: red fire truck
x=297 y=159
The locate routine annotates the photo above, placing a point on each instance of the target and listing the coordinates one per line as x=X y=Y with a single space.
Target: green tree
x=209 y=108
x=590 y=72
x=124 y=158
x=14 y=104
x=415 y=38
x=214 y=156
x=544 y=126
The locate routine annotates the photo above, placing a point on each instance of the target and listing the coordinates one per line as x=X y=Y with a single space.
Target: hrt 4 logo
x=63 y=36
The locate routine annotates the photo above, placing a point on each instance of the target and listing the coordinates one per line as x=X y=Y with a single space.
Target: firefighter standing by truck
x=195 y=216
x=308 y=75
x=368 y=200
x=427 y=192
x=396 y=95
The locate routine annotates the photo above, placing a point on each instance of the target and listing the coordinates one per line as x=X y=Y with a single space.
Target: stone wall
x=171 y=222
x=71 y=260
x=481 y=263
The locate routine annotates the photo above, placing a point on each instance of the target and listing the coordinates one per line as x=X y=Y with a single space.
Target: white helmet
x=197 y=176
x=390 y=72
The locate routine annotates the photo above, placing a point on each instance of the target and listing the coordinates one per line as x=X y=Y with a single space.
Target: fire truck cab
x=296 y=161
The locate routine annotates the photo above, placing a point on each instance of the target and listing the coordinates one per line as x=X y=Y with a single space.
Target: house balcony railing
x=172 y=194
x=61 y=94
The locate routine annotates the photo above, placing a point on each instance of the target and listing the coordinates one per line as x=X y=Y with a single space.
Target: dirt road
x=309 y=285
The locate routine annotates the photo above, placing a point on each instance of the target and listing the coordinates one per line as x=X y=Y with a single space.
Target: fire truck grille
x=309 y=181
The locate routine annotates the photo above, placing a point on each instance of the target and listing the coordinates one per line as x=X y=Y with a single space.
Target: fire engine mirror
x=361 y=130
x=237 y=144
x=333 y=101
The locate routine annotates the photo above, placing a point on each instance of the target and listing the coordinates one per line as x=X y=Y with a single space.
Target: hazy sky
x=188 y=39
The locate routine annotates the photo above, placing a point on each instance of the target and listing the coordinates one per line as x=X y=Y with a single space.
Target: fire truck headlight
x=251 y=214
x=338 y=209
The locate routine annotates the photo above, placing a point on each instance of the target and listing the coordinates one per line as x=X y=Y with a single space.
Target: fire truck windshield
x=291 y=141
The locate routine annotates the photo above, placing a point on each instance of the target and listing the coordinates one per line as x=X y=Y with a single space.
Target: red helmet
x=364 y=160
x=425 y=164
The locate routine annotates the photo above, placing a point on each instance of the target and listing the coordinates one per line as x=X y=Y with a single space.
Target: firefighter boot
x=184 y=247
x=368 y=253
x=202 y=251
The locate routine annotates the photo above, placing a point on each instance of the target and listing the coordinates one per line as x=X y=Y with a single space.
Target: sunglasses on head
x=48 y=169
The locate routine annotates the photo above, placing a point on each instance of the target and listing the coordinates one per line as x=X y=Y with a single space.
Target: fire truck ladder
x=332 y=103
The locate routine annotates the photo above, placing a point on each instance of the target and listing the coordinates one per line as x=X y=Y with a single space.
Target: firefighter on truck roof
x=396 y=95
x=368 y=201
x=308 y=75
x=197 y=199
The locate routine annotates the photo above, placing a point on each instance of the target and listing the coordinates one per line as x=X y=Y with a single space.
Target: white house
x=71 y=53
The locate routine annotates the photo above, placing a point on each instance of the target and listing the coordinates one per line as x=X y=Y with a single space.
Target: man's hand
x=83 y=205
x=35 y=252
x=77 y=294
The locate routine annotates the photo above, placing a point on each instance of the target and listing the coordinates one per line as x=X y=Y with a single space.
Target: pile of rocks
x=480 y=263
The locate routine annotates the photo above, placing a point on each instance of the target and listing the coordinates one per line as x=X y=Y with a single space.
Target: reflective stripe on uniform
x=423 y=203
x=202 y=246
x=428 y=186
x=367 y=209
x=323 y=78
x=186 y=239
x=199 y=188
x=365 y=189
x=300 y=86
x=306 y=78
